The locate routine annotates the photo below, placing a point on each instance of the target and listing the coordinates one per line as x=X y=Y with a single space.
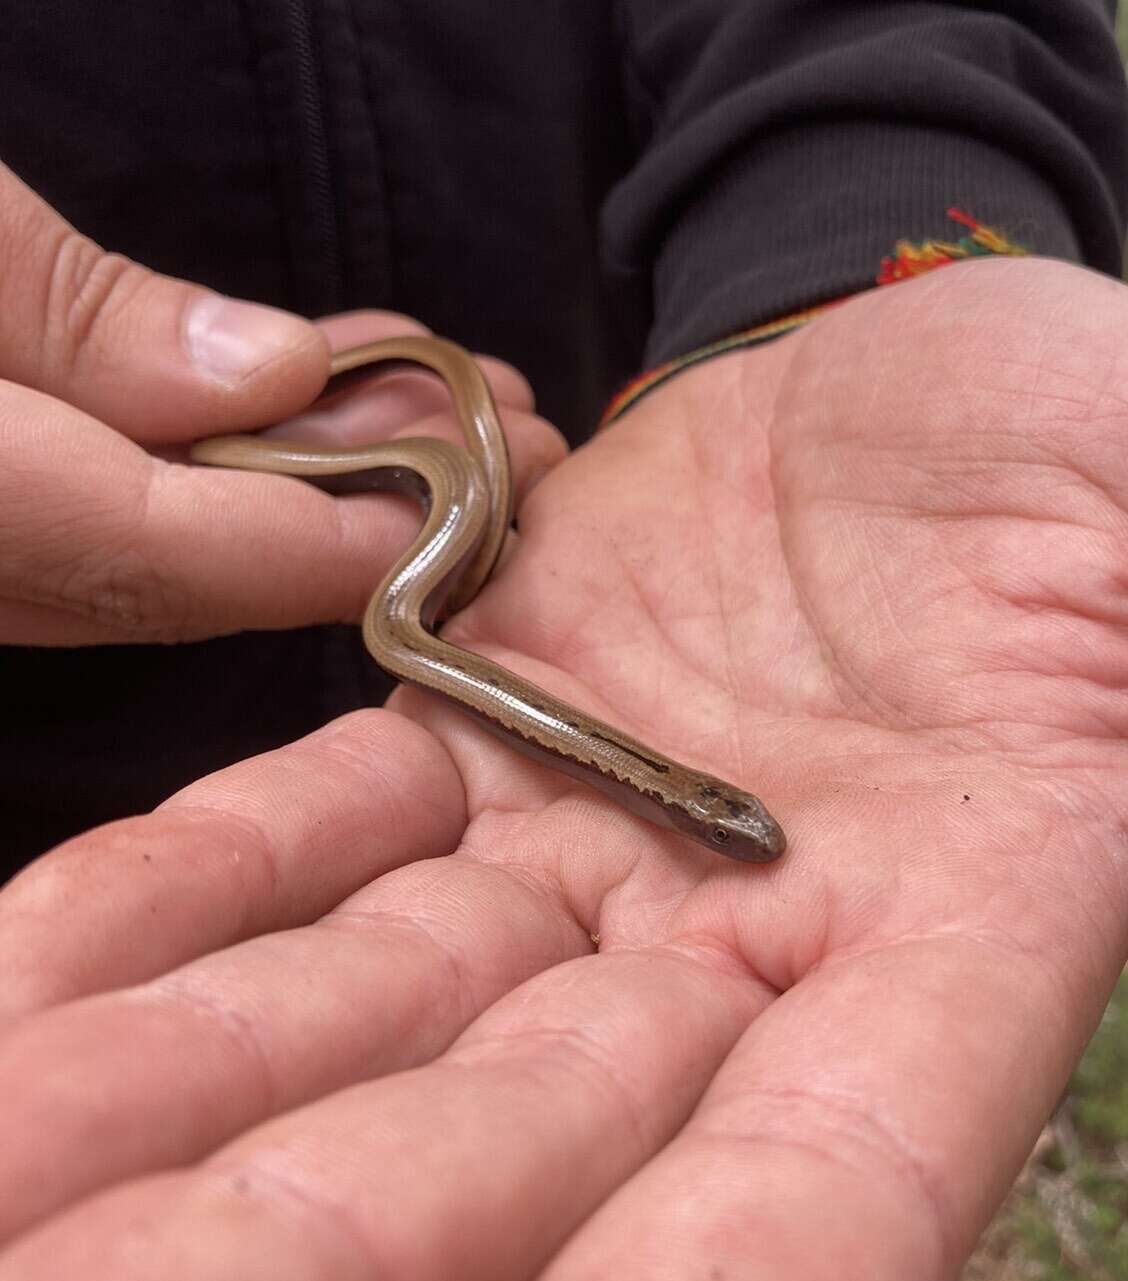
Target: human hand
x=110 y=371
x=875 y=573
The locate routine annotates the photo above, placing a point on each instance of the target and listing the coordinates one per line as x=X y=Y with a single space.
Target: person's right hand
x=104 y=364
x=395 y=1002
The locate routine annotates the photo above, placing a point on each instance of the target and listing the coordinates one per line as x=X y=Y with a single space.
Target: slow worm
x=466 y=494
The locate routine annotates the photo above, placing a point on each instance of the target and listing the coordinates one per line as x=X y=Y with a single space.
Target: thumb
x=153 y=357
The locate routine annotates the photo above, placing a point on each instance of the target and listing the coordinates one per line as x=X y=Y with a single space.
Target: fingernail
x=228 y=340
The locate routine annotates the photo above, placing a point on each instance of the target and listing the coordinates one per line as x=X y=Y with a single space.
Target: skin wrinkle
x=1113 y=729
x=360 y=767
x=1110 y=850
x=24 y=224
x=992 y=737
x=1116 y=859
x=1049 y=771
x=566 y=639
x=255 y=1179
x=1108 y=937
x=550 y=882
x=967 y=571
x=453 y=976
x=1046 y=606
x=1032 y=386
x=997 y=942
x=606 y=908
x=702 y=667
x=66 y=250
x=390 y=548
x=659 y=630
x=177 y=985
x=335 y=509
x=801 y=960
x=91 y=284
x=996 y=513
x=546 y=890
x=187 y=612
x=1100 y=854
x=990 y=671
x=593 y=702
x=546 y=883
x=367 y=769
x=833 y=666
x=703 y=951
x=570 y=1052
x=1050 y=446
x=845 y=913
x=262 y=886
x=42 y=591
x=123 y=588
x=119 y=595
x=619 y=902
x=582 y=1055
x=571 y=791
x=1100 y=486
x=197 y=617
x=1070 y=681
x=838 y=672
x=869 y=1135
x=183 y=989
x=20 y=576
x=1047 y=599
x=899 y=510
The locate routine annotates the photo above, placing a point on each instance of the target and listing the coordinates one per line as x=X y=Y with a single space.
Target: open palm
x=874 y=573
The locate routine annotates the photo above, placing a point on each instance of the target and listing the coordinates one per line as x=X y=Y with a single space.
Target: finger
x=891 y=1096
x=267 y=844
x=392 y=408
x=352 y=329
x=386 y=981
x=400 y=401
x=135 y=549
x=478 y=1164
x=155 y=358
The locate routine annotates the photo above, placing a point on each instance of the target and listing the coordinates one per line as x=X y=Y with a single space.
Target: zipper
x=323 y=208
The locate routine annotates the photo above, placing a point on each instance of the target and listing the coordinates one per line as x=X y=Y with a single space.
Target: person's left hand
x=107 y=371
x=876 y=574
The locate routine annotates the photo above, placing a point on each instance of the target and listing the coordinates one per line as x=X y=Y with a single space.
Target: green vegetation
x=1067 y=1219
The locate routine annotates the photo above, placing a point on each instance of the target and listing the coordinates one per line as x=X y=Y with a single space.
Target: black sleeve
x=786 y=145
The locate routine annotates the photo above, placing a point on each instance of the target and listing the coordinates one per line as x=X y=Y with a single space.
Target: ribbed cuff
x=908 y=260
x=808 y=215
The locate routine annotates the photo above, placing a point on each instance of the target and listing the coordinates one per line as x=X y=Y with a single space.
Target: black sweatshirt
x=582 y=187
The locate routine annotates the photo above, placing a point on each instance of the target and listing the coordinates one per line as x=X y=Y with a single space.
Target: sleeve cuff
x=809 y=214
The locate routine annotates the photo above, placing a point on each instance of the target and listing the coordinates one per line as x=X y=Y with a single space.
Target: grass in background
x=1067 y=1218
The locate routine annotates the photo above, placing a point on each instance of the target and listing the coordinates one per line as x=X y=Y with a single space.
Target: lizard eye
x=720 y=836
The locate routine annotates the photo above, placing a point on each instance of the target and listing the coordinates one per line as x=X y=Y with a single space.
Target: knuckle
x=97 y=555
x=127 y=591
x=86 y=287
